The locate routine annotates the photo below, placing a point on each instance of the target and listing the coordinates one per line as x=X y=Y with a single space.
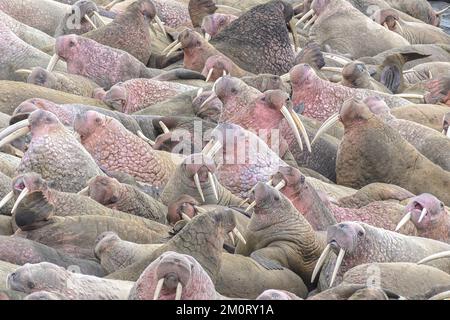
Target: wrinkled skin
x=214 y=23
x=309 y=89
x=70 y=24
x=372 y=151
x=17 y=54
x=436 y=222
x=258 y=41
x=184 y=204
x=409 y=280
x=428 y=142
x=49 y=277
x=174 y=268
x=421 y=10
x=122 y=197
x=423 y=71
x=279 y=234
x=365 y=244
x=62 y=81
x=20 y=251
x=330 y=29
x=439 y=91
x=56 y=155
x=104 y=138
x=137 y=94
x=429 y=115
x=222 y=65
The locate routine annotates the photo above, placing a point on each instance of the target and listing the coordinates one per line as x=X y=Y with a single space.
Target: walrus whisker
x=422 y=215
x=158 y=289
x=287 y=115
x=199 y=92
x=337 y=265
x=143 y=137
x=310 y=22
x=179 y=291
x=161 y=25
x=442 y=11
x=331 y=121
x=441 y=296
x=210 y=72
x=221 y=6
x=213 y=185
x=320 y=262
x=403 y=221
x=22 y=195
x=14 y=135
x=52 y=63
x=300 y=126
x=439 y=255
x=199 y=186
x=310 y=13
x=100 y=18
x=175 y=48
x=6 y=198
x=90 y=21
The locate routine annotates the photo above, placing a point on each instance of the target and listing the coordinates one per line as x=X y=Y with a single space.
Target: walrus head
x=214 y=23
x=292 y=180
x=355 y=74
x=104 y=190
x=103 y=242
x=90 y=123
x=184 y=208
x=353 y=111
x=116 y=97
x=216 y=66
x=41 y=77
x=386 y=17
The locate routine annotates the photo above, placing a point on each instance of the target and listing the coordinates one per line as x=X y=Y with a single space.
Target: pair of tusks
x=212 y=181
x=143 y=137
x=307 y=15
x=174 y=46
x=10 y=196
x=278 y=187
x=297 y=127
x=13 y=132
x=407 y=217
x=210 y=72
x=321 y=260
x=159 y=286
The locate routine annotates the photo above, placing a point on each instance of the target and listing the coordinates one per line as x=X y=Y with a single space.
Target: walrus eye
x=48 y=119
x=98 y=120
x=30 y=285
x=442 y=205
x=360 y=233
x=233 y=90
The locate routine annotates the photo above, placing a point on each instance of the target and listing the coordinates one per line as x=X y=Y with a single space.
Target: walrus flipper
x=268 y=264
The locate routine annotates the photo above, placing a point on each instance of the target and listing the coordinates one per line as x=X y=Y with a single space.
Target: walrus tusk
x=199 y=91
x=213 y=185
x=441 y=296
x=26 y=71
x=100 y=18
x=269 y=183
x=185 y=216
x=211 y=148
x=199 y=186
x=210 y=72
x=179 y=291
x=221 y=6
x=200 y=209
x=111 y=4
x=160 y=25
x=292 y=124
x=158 y=289
x=22 y=195
x=332 y=69
x=170 y=46
x=90 y=21
x=339 y=60
x=305 y=17
x=385 y=25
x=319 y=262
x=442 y=11
x=20 y=132
x=230 y=235
x=251 y=206
x=399 y=26
x=52 y=63
x=439 y=255
x=239 y=235
x=285 y=77
x=422 y=215
x=294 y=34
x=331 y=121
x=209 y=99
x=409 y=96
x=207 y=37
x=337 y=265
x=280 y=185
x=84 y=191
x=403 y=221
x=448 y=133
x=6 y=198
x=310 y=22
x=18 y=153
x=300 y=126
x=143 y=137
x=177 y=46
x=164 y=127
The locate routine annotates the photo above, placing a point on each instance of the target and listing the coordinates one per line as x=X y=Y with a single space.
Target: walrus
x=5 y=269
x=82 y=18
x=103 y=137
x=46 y=276
x=5 y=184
x=439 y=91
x=214 y=23
x=369 y=144
x=19 y=251
x=429 y=216
x=356 y=75
x=359 y=243
x=428 y=142
x=217 y=65
x=426 y=71
x=418 y=9
x=89 y=58
x=174 y=276
x=356 y=292
x=429 y=115
x=53 y=152
x=277 y=295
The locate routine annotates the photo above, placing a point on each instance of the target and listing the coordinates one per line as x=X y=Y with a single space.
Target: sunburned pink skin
x=117 y=149
x=184 y=204
x=214 y=23
x=174 y=268
x=323 y=98
x=221 y=65
x=439 y=91
x=136 y=94
x=436 y=222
